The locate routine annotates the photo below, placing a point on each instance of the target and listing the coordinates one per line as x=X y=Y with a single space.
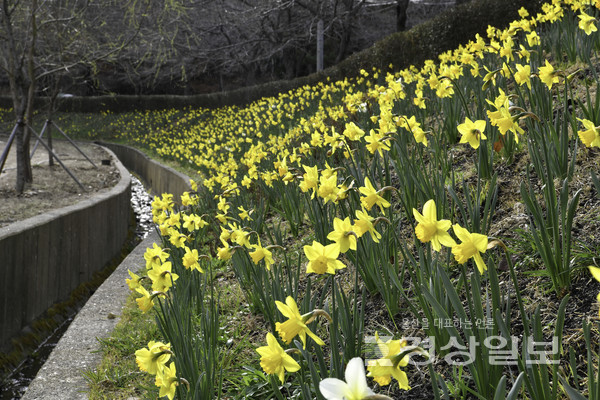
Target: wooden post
x=320 y=45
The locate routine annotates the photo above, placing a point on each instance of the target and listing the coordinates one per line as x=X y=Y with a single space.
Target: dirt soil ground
x=52 y=186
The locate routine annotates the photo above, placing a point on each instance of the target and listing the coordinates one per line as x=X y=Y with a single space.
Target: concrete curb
x=160 y=178
x=46 y=257
x=61 y=376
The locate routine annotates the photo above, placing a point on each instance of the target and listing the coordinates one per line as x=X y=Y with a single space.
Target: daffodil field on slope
x=381 y=192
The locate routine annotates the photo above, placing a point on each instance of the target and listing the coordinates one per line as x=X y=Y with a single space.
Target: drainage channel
x=17 y=382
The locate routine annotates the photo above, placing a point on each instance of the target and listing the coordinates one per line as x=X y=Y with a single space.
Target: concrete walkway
x=61 y=376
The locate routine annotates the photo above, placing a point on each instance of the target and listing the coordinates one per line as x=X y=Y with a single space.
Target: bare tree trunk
x=31 y=80
x=352 y=9
x=401 y=7
x=320 y=45
x=22 y=155
x=289 y=63
x=22 y=89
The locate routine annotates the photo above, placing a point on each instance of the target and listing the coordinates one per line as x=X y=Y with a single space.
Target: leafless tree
x=42 y=41
x=401 y=7
x=235 y=41
x=274 y=37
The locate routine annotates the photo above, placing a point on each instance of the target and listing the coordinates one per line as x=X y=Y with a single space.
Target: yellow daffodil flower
x=533 y=39
x=506 y=51
x=222 y=205
x=274 y=360
x=153 y=358
x=224 y=253
x=187 y=200
x=323 y=259
x=155 y=256
x=162 y=277
x=165 y=203
x=262 y=253
x=310 y=180
x=244 y=214
x=444 y=89
x=413 y=127
x=353 y=132
x=176 y=238
x=472 y=132
x=376 y=143
x=167 y=381
x=134 y=282
x=490 y=76
x=472 y=244
x=419 y=100
x=502 y=118
x=590 y=136
x=523 y=13
x=222 y=218
x=523 y=74
x=193 y=222
x=296 y=323
x=190 y=259
x=174 y=220
x=343 y=235
x=429 y=229
x=587 y=23
x=328 y=187
x=146 y=302
x=548 y=75
x=372 y=197
x=525 y=54
x=364 y=223
x=392 y=359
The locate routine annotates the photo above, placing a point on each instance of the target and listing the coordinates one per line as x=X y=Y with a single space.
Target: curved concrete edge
x=46 y=257
x=160 y=178
x=61 y=377
x=26 y=224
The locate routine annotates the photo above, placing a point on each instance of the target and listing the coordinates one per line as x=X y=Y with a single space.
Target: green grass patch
x=118 y=376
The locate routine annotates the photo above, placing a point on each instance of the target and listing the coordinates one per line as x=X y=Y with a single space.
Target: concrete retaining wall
x=78 y=350
x=44 y=258
x=61 y=377
x=159 y=178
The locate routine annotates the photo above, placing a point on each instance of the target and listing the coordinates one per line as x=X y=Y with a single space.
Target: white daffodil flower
x=355 y=387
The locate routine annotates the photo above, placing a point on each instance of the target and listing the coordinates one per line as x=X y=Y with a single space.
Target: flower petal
x=355 y=376
x=332 y=251
x=480 y=264
x=419 y=217
x=311 y=252
x=289 y=363
x=461 y=233
x=595 y=271
x=480 y=241
x=333 y=388
x=285 y=310
x=430 y=211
